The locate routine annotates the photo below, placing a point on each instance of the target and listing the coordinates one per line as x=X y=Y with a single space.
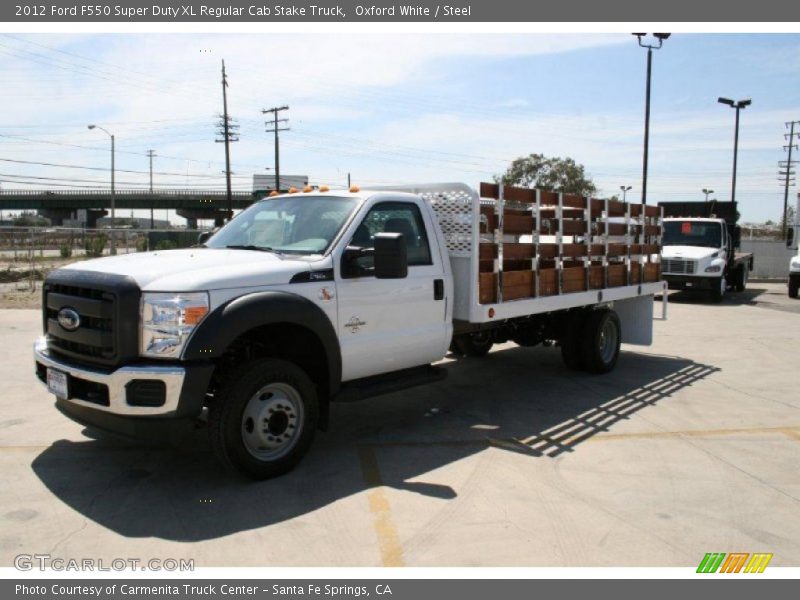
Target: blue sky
x=401 y=107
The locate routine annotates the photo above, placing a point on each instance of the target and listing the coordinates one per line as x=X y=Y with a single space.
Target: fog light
x=146 y=392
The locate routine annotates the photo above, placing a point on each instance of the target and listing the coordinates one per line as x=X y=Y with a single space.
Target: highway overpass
x=58 y=205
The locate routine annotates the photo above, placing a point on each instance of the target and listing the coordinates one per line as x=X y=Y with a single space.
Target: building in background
x=264 y=184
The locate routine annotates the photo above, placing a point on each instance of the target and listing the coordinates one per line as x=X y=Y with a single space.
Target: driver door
x=391 y=324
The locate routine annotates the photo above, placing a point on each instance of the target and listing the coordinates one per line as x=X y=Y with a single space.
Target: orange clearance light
x=354 y=189
x=292 y=190
x=307 y=189
x=274 y=193
x=324 y=188
x=491 y=313
x=193 y=314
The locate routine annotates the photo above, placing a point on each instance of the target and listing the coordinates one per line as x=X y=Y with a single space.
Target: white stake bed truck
x=700 y=246
x=310 y=298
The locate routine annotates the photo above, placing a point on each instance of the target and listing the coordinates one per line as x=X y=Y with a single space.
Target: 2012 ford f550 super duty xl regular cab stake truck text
x=308 y=298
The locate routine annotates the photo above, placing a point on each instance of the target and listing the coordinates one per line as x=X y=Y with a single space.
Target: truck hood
x=690 y=252
x=196 y=269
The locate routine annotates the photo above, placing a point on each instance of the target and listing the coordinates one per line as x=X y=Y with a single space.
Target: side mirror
x=737 y=236
x=789 y=237
x=391 y=259
x=203 y=237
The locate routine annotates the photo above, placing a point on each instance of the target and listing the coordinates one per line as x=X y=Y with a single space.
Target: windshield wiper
x=252 y=247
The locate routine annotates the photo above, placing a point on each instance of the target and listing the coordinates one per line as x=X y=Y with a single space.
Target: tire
x=571 y=342
x=741 y=278
x=718 y=294
x=794 y=284
x=280 y=396
x=600 y=341
x=475 y=345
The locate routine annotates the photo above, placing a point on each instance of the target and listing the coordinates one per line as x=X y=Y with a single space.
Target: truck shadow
x=749 y=296
x=524 y=401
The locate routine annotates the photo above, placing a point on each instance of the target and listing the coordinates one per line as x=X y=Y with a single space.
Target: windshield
x=288 y=225
x=692 y=233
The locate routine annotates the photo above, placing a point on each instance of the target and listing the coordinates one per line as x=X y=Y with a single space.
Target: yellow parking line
x=388 y=538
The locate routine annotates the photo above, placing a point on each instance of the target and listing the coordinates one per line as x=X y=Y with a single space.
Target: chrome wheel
x=272 y=421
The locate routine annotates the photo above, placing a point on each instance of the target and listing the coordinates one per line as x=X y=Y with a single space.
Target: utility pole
x=229 y=133
x=786 y=170
x=276 y=127
x=348 y=180
x=151 y=154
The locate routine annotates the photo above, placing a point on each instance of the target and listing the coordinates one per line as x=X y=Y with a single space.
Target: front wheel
x=263 y=418
x=718 y=293
x=602 y=336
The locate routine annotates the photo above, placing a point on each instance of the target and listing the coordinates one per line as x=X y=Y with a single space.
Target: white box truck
x=322 y=296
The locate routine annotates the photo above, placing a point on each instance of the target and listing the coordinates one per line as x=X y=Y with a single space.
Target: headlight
x=714 y=269
x=167 y=321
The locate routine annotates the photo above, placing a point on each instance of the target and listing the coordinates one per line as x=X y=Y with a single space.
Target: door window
x=393 y=217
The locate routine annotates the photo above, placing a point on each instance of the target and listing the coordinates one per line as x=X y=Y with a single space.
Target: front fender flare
x=229 y=321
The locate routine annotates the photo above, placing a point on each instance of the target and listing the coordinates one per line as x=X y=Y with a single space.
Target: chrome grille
x=679 y=266
x=94 y=339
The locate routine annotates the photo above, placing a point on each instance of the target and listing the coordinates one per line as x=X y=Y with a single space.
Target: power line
x=70 y=166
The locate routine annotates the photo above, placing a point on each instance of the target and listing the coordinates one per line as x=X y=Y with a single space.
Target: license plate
x=57 y=383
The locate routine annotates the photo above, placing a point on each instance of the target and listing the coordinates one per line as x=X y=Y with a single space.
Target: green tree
x=554 y=174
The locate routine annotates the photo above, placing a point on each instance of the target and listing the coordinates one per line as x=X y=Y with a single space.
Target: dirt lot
x=690 y=446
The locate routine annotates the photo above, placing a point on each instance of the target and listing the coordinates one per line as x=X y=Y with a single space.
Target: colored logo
x=69 y=319
x=735 y=562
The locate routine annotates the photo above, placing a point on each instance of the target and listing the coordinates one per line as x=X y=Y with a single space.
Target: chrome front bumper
x=172 y=376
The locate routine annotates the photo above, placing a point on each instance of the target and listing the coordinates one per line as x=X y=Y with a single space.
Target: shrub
x=166 y=245
x=66 y=250
x=141 y=244
x=94 y=246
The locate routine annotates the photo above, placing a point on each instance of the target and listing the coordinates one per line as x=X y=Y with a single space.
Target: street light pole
x=707 y=192
x=113 y=249
x=738 y=106
x=650 y=47
x=625 y=189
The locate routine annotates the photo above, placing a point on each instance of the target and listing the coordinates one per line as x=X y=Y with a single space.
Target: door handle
x=438 y=289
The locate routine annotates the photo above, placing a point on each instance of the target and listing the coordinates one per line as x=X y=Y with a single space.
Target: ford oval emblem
x=69 y=319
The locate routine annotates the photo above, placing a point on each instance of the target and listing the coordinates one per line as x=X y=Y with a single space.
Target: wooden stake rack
x=537 y=243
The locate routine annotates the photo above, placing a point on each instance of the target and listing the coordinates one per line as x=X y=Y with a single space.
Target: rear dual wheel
x=592 y=341
x=741 y=277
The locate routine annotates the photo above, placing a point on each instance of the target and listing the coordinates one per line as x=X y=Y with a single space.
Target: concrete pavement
x=690 y=446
